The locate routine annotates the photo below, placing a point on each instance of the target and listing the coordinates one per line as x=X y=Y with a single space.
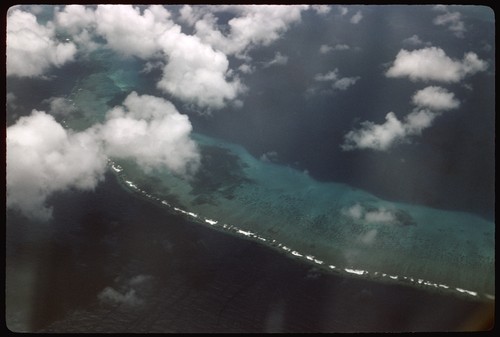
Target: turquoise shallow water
x=330 y=225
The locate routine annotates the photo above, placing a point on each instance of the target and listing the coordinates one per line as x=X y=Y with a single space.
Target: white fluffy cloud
x=435 y=98
x=42 y=158
x=375 y=136
x=429 y=102
x=195 y=72
x=32 y=48
x=255 y=25
x=130 y=32
x=151 y=131
x=433 y=64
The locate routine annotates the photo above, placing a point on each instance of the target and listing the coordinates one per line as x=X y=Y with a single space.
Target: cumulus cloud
x=195 y=72
x=433 y=64
x=150 y=130
x=80 y=22
x=43 y=157
x=429 y=102
x=337 y=83
x=343 y=10
x=452 y=20
x=375 y=136
x=195 y=67
x=130 y=32
x=356 y=18
x=435 y=98
x=254 y=25
x=278 y=59
x=32 y=48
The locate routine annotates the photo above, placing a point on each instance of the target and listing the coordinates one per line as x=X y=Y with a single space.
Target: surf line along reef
x=333 y=226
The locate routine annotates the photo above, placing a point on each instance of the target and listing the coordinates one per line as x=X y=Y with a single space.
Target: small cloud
x=330 y=76
x=415 y=41
x=278 y=59
x=60 y=106
x=368 y=238
x=355 y=211
x=343 y=10
x=324 y=49
x=433 y=64
x=337 y=83
x=112 y=296
x=345 y=82
x=375 y=136
x=381 y=215
x=453 y=20
x=321 y=9
x=269 y=157
x=246 y=68
x=356 y=18
x=11 y=100
x=435 y=98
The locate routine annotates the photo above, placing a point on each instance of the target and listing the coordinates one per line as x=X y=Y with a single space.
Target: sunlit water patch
x=330 y=225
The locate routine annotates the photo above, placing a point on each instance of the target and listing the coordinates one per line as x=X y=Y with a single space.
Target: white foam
x=318 y=261
x=246 y=233
x=131 y=184
x=332 y=266
x=116 y=168
x=211 y=222
x=393 y=277
x=297 y=253
x=354 y=271
x=310 y=257
x=491 y=297
x=443 y=286
x=286 y=248
x=165 y=203
x=473 y=293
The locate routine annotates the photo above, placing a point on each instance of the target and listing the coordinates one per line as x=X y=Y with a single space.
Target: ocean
x=279 y=230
